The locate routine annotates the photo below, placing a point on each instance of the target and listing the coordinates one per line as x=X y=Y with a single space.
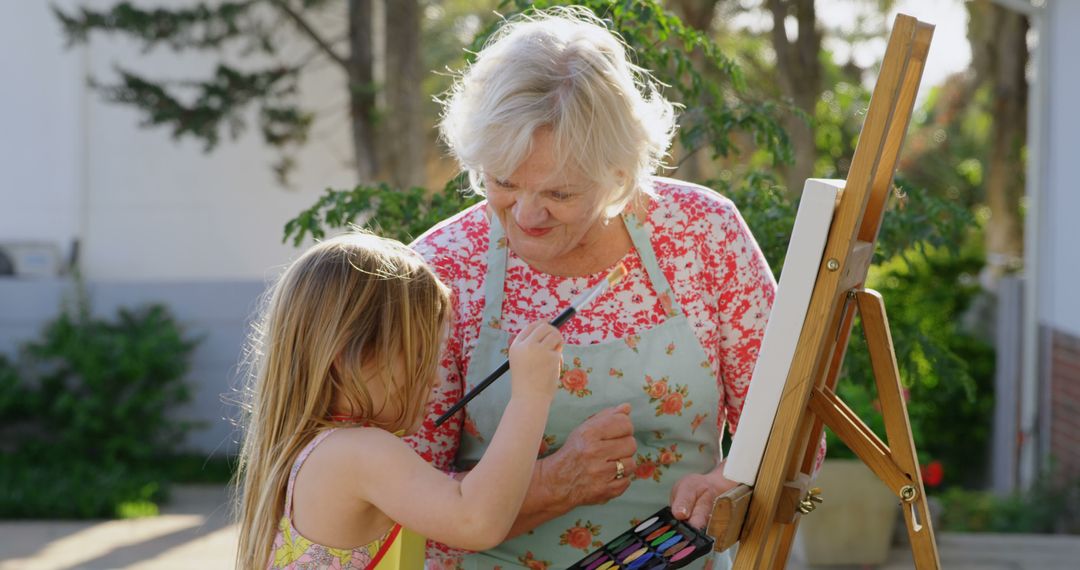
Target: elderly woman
x=563 y=135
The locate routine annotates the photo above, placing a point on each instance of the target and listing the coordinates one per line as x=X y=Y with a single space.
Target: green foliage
x=223 y=102
x=92 y=415
x=952 y=141
x=55 y=487
x=198 y=468
x=399 y=214
x=1046 y=508
x=838 y=118
x=200 y=26
x=916 y=222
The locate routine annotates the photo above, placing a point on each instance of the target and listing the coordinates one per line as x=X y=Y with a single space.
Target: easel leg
x=783 y=551
x=897 y=429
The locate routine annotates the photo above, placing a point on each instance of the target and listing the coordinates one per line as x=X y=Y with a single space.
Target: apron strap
x=495 y=277
x=641 y=237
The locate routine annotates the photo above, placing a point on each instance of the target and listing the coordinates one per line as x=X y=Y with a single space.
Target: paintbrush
x=576 y=305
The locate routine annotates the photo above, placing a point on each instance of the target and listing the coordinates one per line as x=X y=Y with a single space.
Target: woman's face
x=548 y=214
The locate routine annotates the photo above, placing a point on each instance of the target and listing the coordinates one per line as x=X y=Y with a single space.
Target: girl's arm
x=477 y=512
x=473 y=514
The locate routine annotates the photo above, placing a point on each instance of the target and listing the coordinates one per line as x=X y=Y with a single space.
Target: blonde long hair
x=353 y=303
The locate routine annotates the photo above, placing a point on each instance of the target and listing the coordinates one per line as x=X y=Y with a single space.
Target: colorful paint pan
x=648 y=523
x=683 y=554
x=591 y=558
x=641 y=561
x=652 y=536
x=621 y=542
x=658 y=542
x=671 y=541
x=597 y=561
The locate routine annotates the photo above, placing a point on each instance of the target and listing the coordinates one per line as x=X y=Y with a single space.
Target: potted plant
x=854 y=524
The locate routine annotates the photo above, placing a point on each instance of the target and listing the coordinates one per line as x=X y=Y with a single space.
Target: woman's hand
x=584 y=470
x=692 y=496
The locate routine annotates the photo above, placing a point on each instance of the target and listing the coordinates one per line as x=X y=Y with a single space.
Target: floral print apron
x=663 y=372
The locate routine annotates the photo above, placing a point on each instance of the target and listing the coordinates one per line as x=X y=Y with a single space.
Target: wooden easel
x=764 y=519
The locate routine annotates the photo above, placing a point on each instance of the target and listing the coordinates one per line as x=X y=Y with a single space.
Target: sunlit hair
x=337 y=321
x=561 y=69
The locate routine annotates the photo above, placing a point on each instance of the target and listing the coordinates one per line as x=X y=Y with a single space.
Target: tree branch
x=302 y=24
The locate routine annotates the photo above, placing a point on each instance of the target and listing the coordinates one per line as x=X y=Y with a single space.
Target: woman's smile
x=534 y=232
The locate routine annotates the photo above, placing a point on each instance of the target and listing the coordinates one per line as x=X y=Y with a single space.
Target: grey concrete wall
x=217 y=312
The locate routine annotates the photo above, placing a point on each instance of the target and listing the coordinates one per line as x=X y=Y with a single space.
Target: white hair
x=560 y=69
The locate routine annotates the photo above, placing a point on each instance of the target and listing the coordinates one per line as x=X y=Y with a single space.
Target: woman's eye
x=560 y=196
x=503 y=184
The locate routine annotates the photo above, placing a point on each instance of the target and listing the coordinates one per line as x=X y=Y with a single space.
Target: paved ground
x=194 y=533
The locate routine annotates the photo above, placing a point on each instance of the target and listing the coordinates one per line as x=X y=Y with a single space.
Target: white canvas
x=797 y=279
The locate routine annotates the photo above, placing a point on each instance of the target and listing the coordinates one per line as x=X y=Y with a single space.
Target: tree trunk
x=403 y=134
x=1000 y=55
x=362 y=88
x=697 y=14
x=800 y=80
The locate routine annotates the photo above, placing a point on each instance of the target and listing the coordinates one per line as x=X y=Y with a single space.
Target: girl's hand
x=536 y=360
x=692 y=496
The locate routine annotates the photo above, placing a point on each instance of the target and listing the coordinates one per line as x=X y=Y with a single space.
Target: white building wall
x=159 y=220
x=40 y=128
x=1059 y=200
x=146 y=207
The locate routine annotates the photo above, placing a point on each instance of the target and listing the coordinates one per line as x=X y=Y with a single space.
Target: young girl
x=346 y=356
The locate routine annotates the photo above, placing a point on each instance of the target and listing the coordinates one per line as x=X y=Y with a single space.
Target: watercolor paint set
x=659 y=542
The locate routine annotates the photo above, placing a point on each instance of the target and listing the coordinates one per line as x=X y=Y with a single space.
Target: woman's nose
x=528 y=212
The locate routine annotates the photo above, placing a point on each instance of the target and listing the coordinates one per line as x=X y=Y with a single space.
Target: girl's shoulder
x=356 y=445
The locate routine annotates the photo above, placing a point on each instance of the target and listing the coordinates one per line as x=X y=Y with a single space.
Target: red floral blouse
x=702 y=244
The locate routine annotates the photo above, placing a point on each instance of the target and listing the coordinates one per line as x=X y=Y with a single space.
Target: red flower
x=578 y=537
x=933 y=474
x=667 y=457
x=657 y=390
x=645 y=470
x=672 y=404
x=575 y=380
x=530 y=561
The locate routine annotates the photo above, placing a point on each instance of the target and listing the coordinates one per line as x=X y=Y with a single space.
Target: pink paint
x=683 y=554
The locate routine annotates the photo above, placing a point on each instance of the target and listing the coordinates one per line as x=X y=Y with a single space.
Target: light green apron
x=662 y=371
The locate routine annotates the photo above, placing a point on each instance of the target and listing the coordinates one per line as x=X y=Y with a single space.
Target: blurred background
x=163 y=160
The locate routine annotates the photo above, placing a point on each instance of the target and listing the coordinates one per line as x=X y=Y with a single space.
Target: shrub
x=1046 y=508
x=85 y=415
